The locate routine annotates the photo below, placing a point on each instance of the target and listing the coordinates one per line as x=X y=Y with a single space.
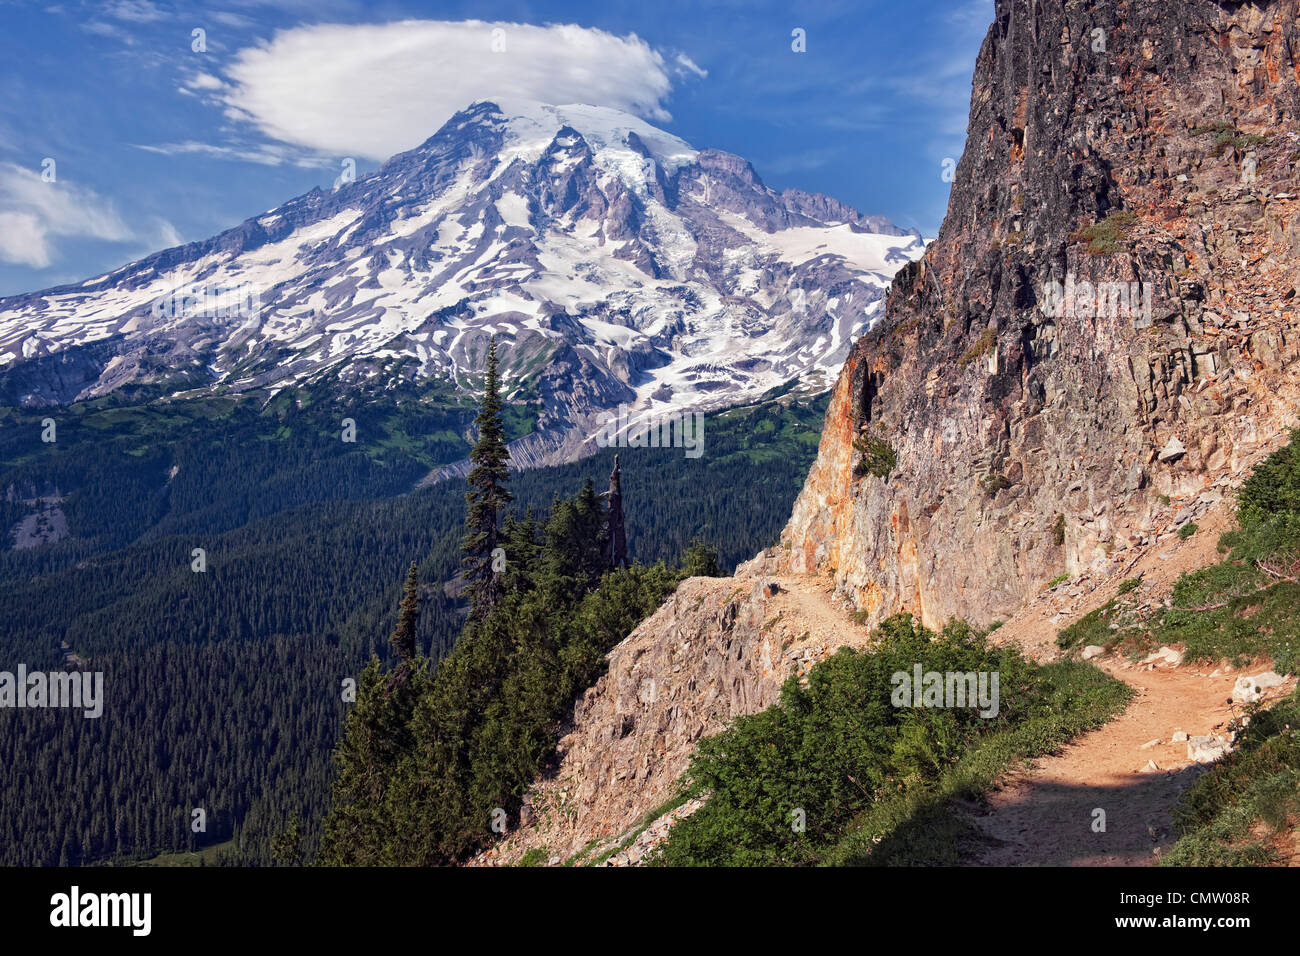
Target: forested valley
x=224 y=688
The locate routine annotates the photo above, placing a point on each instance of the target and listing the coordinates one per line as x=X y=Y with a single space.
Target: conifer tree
x=404 y=641
x=522 y=551
x=487 y=497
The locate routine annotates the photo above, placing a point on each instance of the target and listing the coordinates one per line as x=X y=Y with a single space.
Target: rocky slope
x=1032 y=438
x=719 y=648
x=618 y=265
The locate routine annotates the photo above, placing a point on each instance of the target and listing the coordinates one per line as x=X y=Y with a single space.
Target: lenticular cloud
x=372 y=91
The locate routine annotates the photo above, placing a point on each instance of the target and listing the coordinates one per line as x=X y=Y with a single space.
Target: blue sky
x=154 y=142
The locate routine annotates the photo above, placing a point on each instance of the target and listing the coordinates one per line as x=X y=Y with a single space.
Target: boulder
x=1173 y=450
x=1250 y=689
x=1165 y=655
x=1207 y=748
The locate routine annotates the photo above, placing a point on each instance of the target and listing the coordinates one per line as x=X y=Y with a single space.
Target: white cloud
x=204 y=81
x=165 y=235
x=22 y=240
x=33 y=212
x=375 y=90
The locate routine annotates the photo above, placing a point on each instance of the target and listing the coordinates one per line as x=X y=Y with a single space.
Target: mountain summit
x=618 y=265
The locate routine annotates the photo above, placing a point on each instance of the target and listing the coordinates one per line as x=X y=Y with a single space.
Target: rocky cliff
x=1105 y=329
x=1097 y=349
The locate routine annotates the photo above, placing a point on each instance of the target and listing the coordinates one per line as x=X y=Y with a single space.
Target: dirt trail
x=1044 y=814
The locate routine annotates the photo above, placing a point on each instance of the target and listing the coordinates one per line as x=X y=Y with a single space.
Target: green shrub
x=876 y=456
x=1058 y=530
x=1217 y=127
x=1187 y=530
x=928 y=825
x=833 y=747
x=995 y=483
x=1270 y=498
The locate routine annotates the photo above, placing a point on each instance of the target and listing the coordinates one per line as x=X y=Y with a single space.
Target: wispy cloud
x=134 y=11
x=34 y=212
x=267 y=154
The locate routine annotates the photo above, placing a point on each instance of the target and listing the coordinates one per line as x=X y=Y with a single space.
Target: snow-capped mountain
x=616 y=264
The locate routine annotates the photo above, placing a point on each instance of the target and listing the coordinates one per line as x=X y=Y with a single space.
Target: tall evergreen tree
x=487 y=497
x=404 y=635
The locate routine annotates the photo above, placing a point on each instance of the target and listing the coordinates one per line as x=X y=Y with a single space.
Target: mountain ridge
x=618 y=265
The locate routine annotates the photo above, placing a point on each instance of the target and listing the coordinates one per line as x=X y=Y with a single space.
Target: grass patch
x=1107 y=237
x=1217 y=127
x=980 y=347
x=1093 y=628
x=1225 y=135
x=536 y=856
x=207 y=856
x=1234 y=814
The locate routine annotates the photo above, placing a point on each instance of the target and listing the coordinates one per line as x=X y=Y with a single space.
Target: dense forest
x=225 y=687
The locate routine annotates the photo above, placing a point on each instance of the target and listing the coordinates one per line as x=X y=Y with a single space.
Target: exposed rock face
x=1031 y=438
x=1037 y=433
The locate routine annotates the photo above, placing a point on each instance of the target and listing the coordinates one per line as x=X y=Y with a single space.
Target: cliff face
x=1038 y=431
x=1033 y=436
